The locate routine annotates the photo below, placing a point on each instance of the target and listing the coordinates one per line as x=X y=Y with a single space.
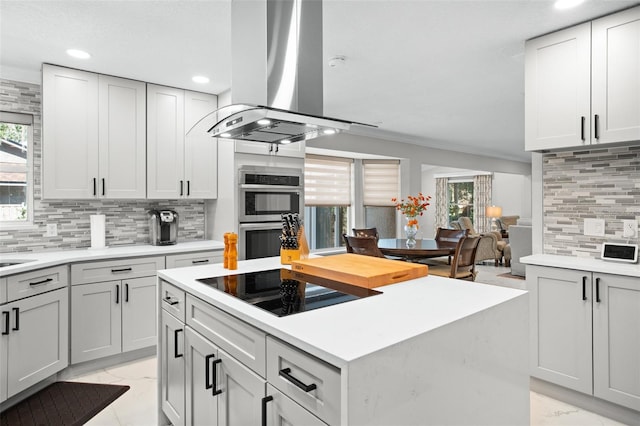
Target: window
x=381 y=183
x=327 y=182
x=460 y=196
x=15 y=167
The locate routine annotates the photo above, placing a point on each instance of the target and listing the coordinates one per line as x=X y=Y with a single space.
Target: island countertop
x=344 y=332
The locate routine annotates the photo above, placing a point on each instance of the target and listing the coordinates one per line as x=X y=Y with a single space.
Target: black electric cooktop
x=284 y=292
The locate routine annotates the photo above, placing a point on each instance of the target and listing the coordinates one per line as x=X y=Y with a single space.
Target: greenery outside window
x=460 y=196
x=15 y=168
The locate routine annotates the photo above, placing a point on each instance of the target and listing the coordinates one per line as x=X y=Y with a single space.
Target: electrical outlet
x=629 y=228
x=52 y=230
x=594 y=227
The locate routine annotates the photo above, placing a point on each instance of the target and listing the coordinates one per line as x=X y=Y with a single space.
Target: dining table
x=423 y=249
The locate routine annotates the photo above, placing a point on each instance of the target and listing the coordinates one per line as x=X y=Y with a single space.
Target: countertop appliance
x=163 y=227
x=284 y=292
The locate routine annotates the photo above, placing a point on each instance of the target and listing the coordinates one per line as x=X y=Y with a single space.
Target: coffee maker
x=163 y=227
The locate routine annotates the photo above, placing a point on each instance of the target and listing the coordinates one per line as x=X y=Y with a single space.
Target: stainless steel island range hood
x=276 y=75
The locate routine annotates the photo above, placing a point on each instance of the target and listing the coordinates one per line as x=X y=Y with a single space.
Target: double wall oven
x=264 y=193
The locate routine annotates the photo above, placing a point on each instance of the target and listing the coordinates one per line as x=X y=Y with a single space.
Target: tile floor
x=137 y=407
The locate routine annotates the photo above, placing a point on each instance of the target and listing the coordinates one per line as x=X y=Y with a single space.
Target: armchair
x=491 y=245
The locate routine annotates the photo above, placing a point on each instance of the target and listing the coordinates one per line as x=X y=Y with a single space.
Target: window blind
x=327 y=181
x=381 y=182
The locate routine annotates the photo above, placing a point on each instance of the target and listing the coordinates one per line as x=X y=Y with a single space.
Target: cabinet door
x=292 y=150
x=242 y=392
x=165 y=142
x=139 y=326
x=561 y=332
x=95 y=320
x=282 y=410
x=38 y=340
x=172 y=364
x=616 y=77
x=558 y=89
x=122 y=138
x=616 y=339
x=201 y=150
x=69 y=133
x=201 y=363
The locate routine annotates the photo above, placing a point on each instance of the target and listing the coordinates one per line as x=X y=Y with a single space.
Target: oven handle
x=260 y=225
x=271 y=187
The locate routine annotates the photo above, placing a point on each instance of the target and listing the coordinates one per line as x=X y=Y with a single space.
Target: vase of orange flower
x=411 y=208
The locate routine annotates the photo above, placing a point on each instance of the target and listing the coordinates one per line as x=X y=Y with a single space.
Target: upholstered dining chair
x=367 y=246
x=463 y=264
x=366 y=232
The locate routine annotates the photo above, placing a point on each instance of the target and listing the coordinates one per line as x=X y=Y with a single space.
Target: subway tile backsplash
x=126 y=221
x=601 y=183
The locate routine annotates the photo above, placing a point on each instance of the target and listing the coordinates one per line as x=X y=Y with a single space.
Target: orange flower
x=413 y=222
x=414 y=206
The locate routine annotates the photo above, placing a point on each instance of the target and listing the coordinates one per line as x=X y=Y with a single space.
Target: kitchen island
x=426 y=351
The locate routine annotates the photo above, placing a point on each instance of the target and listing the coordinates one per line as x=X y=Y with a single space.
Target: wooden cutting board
x=359 y=270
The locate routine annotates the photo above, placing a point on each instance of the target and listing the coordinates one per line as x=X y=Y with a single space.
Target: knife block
x=302 y=252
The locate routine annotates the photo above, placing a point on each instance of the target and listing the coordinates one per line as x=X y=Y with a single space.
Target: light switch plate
x=629 y=228
x=594 y=227
x=52 y=230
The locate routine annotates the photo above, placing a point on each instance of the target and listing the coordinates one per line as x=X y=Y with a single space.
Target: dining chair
x=346 y=243
x=445 y=237
x=367 y=246
x=463 y=264
x=366 y=232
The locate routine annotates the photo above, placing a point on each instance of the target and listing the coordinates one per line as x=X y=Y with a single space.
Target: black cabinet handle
x=126 y=292
x=598 y=290
x=584 y=288
x=103 y=186
x=181 y=190
x=583 y=119
x=42 y=282
x=194 y=262
x=6 y=323
x=188 y=188
x=115 y=271
x=170 y=301
x=265 y=401
x=17 y=311
x=207 y=371
x=215 y=391
x=286 y=373
x=596 y=126
x=94 y=187
x=117 y=293
x=175 y=343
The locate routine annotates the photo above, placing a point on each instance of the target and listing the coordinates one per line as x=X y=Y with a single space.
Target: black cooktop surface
x=284 y=292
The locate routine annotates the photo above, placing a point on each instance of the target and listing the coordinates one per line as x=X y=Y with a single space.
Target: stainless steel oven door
x=259 y=203
x=257 y=240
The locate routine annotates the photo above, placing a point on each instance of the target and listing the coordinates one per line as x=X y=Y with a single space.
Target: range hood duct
x=276 y=75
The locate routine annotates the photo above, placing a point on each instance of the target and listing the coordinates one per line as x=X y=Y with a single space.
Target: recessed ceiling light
x=201 y=79
x=329 y=131
x=285 y=141
x=80 y=54
x=566 y=4
x=264 y=122
x=225 y=135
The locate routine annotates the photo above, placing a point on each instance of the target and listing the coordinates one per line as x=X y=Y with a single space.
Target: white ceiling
x=438 y=73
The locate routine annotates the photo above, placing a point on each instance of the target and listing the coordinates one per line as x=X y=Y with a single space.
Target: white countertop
x=350 y=330
x=37 y=260
x=583 y=264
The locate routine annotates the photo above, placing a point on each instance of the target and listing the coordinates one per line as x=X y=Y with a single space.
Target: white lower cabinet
x=33 y=341
x=282 y=410
x=585 y=332
x=172 y=368
x=194 y=259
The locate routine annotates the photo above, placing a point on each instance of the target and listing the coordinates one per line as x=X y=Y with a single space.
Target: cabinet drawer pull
x=215 y=391
x=286 y=373
x=207 y=371
x=175 y=343
x=194 y=262
x=6 y=323
x=42 y=282
x=584 y=288
x=265 y=401
x=116 y=271
x=17 y=311
x=170 y=301
x=598 y=290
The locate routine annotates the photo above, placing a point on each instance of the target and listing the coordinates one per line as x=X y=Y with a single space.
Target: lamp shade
x=493 y=211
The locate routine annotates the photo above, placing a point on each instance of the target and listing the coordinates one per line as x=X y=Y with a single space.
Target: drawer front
x=282 y=410
x=172 y=300
x=310 y=382
x=35 y=282
x=242 y=341
x=193 y=259
x=86 y=273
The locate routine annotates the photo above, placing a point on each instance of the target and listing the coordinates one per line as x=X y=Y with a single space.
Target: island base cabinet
x=201 y=397
x=616 y=340
x=281 y=410
x=172 y=368
x=34 y=340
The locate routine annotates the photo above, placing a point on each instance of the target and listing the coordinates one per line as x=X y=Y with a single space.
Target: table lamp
x=493 y=212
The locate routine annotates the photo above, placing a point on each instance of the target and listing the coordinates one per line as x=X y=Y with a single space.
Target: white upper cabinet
x=296 y=149
x=93 y=135
x=582 y=84
x=179 y=166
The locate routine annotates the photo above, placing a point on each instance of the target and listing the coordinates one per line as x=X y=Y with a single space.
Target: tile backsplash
x=126 y=221
x=602 y=183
